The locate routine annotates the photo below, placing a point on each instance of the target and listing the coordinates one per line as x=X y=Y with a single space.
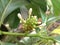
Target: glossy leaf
x=12 y=19
x=8 y=6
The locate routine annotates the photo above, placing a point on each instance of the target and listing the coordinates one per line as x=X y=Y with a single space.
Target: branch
x=26 y=35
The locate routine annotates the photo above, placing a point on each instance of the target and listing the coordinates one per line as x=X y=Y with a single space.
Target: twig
x=26 y=35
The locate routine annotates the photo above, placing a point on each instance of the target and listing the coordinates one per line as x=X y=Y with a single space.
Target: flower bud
x=30 y=11
x=35 y=17
x=19 y=16
x=21 y=19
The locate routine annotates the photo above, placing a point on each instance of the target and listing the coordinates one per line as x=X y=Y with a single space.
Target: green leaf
x=44 y=17
x=35 y=5
x=57 y=38
x=56 y=5
x=8 y=6
x=40 y=4
x=12 y=19
x=52 y=19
